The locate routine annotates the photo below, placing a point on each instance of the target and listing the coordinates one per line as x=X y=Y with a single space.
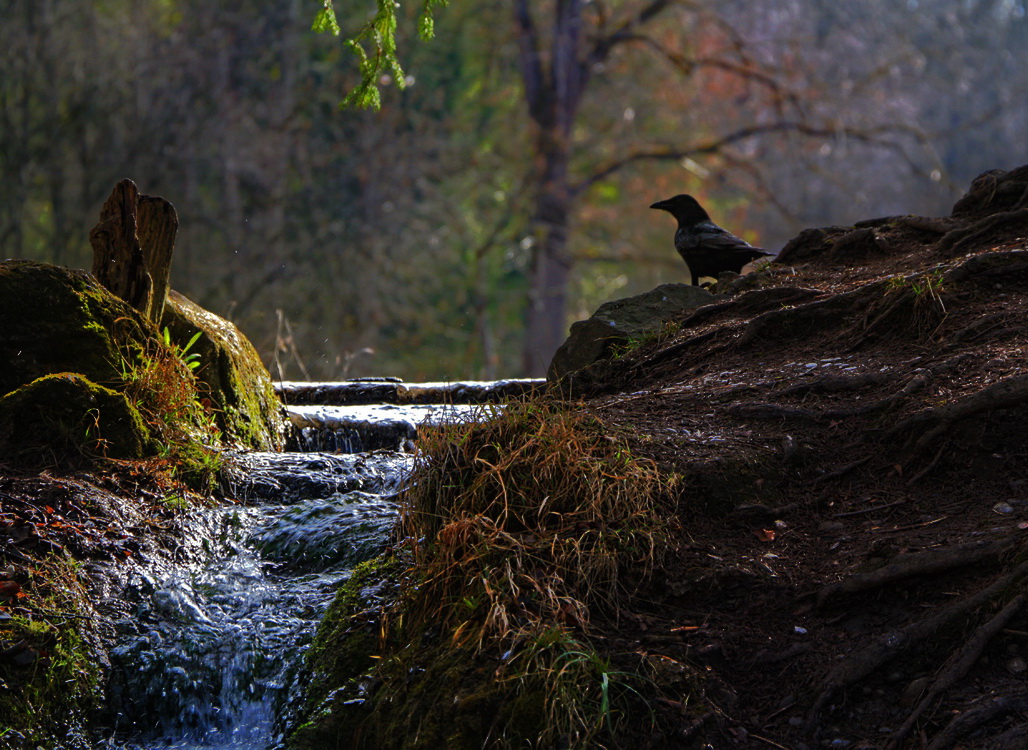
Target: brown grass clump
x=523 y=537
x=530 y=517
x=160 y=382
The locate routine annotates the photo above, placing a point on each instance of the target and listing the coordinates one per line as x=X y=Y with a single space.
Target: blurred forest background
x=408 y=241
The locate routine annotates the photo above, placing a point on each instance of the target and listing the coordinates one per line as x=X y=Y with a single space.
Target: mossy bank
x=108 y=430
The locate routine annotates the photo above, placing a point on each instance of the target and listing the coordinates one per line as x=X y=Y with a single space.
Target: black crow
x=704 y=246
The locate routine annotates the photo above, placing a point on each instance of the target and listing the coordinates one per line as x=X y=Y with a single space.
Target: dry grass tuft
x=528 y=520
x=524 y=536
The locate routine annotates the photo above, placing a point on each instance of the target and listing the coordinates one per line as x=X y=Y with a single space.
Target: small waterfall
x=210 y=655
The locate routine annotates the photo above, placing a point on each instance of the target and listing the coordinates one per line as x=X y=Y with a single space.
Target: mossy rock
x=55 y=319
x=65 y=419
x=342 y=654
x=621 y=321
x=239 y=386
x=438 y=695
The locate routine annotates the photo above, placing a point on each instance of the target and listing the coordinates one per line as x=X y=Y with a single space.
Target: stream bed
x=210 y=654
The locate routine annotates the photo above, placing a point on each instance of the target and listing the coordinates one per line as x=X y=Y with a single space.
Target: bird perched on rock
x=704 y=246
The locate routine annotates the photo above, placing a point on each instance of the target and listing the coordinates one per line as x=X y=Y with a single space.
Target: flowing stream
x=210 y=654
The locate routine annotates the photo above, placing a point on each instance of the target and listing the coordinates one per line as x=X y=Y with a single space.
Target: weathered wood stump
x=132 y=247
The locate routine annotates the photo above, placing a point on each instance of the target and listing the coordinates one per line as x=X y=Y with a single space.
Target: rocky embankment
x=833 y=553
x=111 y=429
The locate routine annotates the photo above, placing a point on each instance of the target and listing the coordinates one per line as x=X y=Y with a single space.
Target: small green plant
x=175 y=501
x=669 y=329
x=161 y=383
x=191 y=359
x=584 y=697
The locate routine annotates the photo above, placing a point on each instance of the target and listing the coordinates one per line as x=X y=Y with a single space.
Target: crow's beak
x=660 y=204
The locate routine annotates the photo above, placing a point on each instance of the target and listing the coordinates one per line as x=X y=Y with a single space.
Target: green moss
x=64 y=419
x=342 y=654
x=55 y=319
x=44 y=700
x=231 y=374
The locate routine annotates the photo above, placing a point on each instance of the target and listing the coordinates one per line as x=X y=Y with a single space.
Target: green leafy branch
x=374 y=44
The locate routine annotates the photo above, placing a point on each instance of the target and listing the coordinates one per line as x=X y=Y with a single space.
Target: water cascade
x=210 y=653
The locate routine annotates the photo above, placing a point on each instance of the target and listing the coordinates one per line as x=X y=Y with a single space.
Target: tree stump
x=132 y=248
x=157 y=224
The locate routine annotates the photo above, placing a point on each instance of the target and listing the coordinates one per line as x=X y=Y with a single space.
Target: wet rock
x=621 y=321
x=245 y=405
x=395 y=391
x=65 y=418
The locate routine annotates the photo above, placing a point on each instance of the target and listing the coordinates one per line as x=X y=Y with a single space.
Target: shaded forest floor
x=851 y=429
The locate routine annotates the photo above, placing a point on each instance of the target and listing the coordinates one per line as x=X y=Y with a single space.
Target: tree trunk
x=551 y=262
x=553 y=83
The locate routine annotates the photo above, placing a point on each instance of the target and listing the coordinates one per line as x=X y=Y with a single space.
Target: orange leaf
x=765 y=535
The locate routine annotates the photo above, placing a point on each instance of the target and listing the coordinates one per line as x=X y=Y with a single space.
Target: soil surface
x=851 y=428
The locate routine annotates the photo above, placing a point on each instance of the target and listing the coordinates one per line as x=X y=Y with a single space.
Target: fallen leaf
x=765 y=535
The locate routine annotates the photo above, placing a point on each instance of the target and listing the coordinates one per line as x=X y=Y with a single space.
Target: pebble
x=1016 y=665
x=913 y=691
x=1003 y=508
x=796 y=721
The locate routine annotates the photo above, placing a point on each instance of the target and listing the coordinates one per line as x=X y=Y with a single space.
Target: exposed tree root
x=1012 y=739
x=917 y=563
x=836 y=384
x=913 y=385
x=930 y=467
x=981 y=328
x=751 y=303
x=763 y=410
x=929 y=425
x=672 y=352
x=929 y=224
x=958 y=665
x=968 y=721
x=1002 y=264
x=915 y=306
x=886 y=648
x=766 y=411
x=965 y=238
x=807 y=318
x=842 y=470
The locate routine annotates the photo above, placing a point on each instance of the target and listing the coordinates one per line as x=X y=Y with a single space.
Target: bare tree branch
x=626 y=30
x=746 y=69
x=667 y=153
x=529 y=60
